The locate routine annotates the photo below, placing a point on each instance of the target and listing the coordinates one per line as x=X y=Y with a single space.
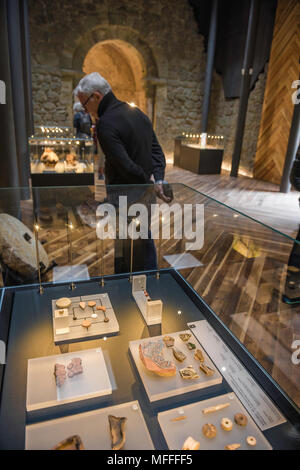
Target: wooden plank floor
x=258 y=199
x=243 y=271
x=246 y=292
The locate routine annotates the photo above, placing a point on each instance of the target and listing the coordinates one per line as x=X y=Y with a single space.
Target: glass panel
x=247 y=272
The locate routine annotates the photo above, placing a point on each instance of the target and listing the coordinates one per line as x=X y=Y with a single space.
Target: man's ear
x=98 y=95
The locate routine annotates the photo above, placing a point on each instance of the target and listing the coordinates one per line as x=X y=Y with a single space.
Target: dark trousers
x=144 y=255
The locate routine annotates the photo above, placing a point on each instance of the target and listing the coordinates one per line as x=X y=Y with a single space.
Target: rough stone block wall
x=49 y=104
x=165 y=33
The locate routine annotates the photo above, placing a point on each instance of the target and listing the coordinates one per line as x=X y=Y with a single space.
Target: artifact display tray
x=93 y=429
x=92 y=382
x=158 y=388
x=76 y=315
x=30 y=336
x=176 y=429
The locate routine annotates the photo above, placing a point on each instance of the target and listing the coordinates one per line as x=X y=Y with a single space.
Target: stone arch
x=130 y=45
x=121 y=64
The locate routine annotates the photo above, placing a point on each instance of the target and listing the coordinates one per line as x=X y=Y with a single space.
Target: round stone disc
x=64 y=302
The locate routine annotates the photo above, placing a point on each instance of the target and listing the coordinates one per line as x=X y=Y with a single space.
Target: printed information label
x=254 y=399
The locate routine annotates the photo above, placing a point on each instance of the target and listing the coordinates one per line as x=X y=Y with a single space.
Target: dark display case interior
x=196 y=353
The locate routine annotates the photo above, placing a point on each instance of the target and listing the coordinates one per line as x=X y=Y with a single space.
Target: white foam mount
x=150 y=309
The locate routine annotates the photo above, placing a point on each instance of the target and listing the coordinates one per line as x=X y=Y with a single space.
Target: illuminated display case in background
x=58 y=158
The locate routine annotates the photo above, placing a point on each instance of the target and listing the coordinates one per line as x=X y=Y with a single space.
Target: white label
x=254 y=399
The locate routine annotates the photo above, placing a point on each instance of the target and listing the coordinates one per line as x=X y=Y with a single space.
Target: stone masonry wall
x=49 y=104
x=63 y=32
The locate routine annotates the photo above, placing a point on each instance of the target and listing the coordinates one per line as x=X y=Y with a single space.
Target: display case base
x=93 y=429
x=201 y=161
x=176 y=432
x=40 y=180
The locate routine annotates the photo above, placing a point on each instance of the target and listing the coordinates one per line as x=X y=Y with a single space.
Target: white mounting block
x=150 y=309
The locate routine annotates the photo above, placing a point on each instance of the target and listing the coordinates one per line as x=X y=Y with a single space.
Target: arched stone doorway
x=119 y=47
x=122 y=66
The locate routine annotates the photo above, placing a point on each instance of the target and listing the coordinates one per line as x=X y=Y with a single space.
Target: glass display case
x=199 y=153
x=198 y=351
x=204 y=140
x=58 y=158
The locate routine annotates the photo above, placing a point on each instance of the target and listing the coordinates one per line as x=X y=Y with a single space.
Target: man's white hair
x=78 y=107
x=91 y=83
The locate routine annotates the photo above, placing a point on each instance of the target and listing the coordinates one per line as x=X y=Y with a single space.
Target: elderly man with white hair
x=132 y=157
x=125 y=133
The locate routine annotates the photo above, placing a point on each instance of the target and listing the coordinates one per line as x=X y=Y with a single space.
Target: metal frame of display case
x=263 y=379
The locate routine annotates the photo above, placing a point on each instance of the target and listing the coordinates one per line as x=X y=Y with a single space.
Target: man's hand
x=159 y=190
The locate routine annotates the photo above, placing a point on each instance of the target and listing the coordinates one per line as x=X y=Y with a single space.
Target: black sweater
x=132 y=152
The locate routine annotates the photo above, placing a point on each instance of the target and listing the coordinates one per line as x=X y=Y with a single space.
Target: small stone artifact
x=213 y=409
x=199 y=355
x=169 y=341
x=92 y=303
x=185 y=337
x=188 y=373
x=75 y=367
x=117 y=432
x=71 y=443
x=232 y=446
x=60 y=374
x=94 y=315
x=241 y=419
x=86 y=324
x=82 y=305
x=151 y=354
x=191 y=346
x=101 y=307
x=64 y=302
x=71 y=159
x=191 y=444
x=206 y=370
x=251 y=441
x=226 y=424
x=18 y=247
x=179 y=355
x=209 y=430
x=179 y=418
x=49 y=157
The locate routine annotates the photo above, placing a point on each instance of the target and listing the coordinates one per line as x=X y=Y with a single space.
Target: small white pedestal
x=150 y=309
x=61 y=321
